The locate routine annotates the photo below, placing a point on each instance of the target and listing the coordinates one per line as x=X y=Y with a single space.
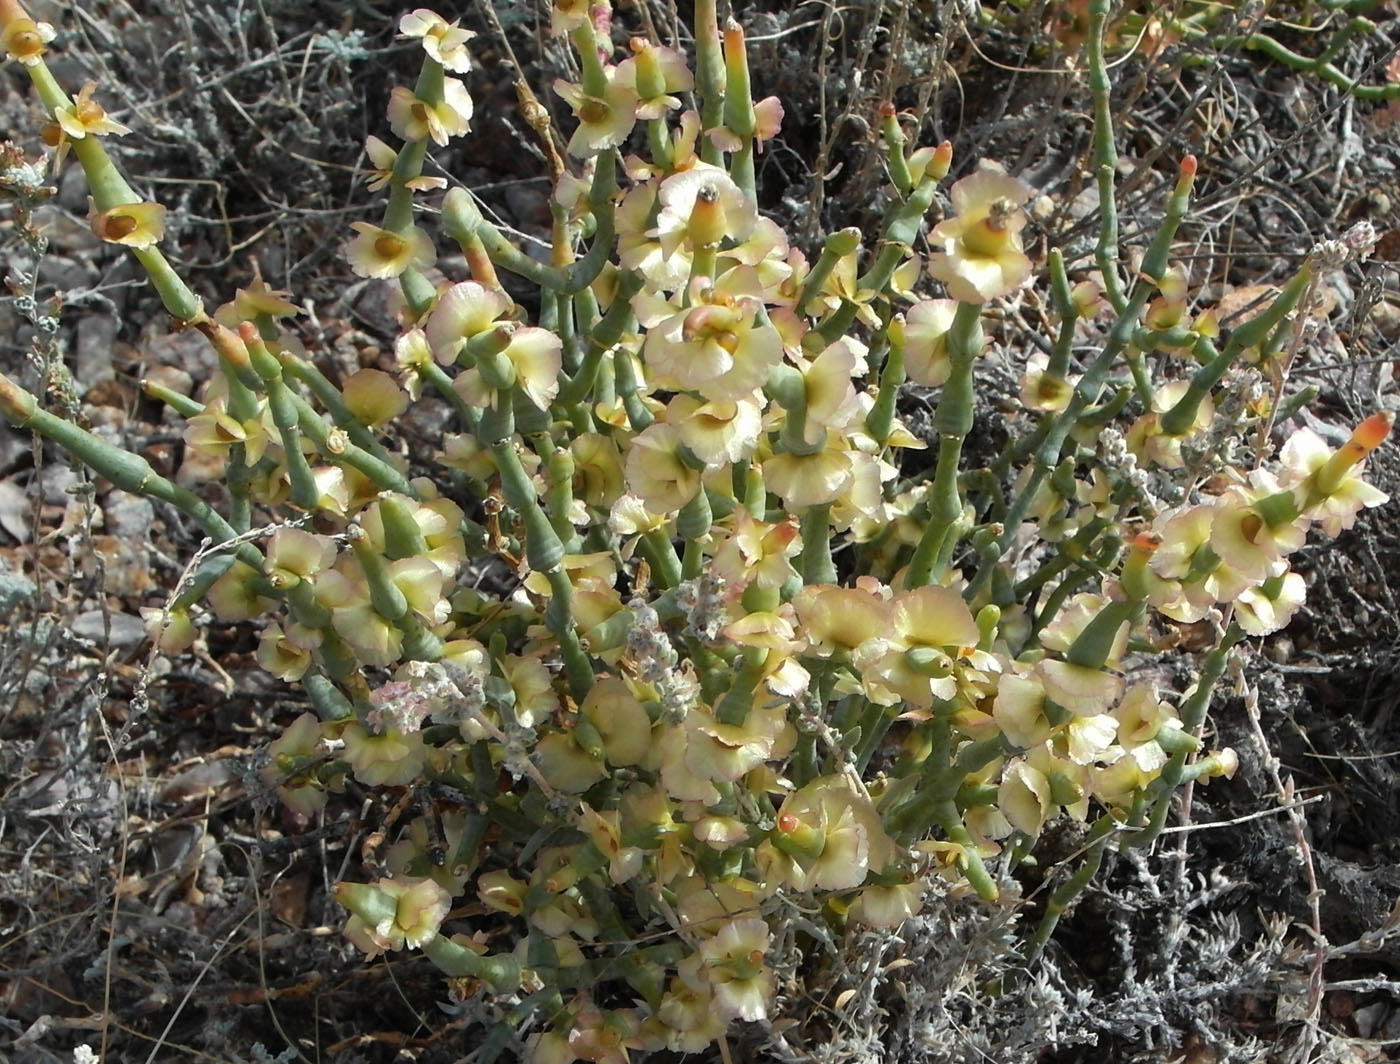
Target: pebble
x=73 y=192
x=129 y=517
x=56 y=480
x=97 y=335
x=187 y=350
x=68 y=273
x=171 y=377
x=121 y=631
x=1385 y=316
x=64 y=231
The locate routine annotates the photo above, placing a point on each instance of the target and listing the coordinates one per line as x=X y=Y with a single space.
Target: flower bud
x=1367 y=436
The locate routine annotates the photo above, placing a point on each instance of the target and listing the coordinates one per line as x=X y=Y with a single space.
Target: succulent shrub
x=742 y=674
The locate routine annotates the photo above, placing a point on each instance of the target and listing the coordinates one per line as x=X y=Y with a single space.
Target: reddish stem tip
x=1373 y=432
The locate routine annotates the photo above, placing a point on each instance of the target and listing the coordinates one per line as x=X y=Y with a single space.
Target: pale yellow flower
x=25 y=40
x=136 y=225
x=656 y=473
x=1328 y=485
x=836 y=620
x=86 y=116
x=383 y=159
x=926 y=326
x=444 y=41
x=981 y=256
x=465 y=310
x=719 y=433
x=732 y=964
x=1269 y=607
x=603 y=121
x=382 y=253
x=407 y=912
x=412 y=118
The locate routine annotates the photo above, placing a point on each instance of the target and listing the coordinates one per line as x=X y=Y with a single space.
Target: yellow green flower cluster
x=743 y=659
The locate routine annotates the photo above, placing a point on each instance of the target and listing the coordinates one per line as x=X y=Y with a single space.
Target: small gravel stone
x=121 y=631
x=129 y=517
x=97 y=335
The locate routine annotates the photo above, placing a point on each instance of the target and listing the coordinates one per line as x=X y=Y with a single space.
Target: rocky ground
x=153 y=897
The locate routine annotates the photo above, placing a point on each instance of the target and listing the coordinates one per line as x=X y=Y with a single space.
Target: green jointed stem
x=1094 y=646
x=601 y=196
x=817 y=566
x=734 y=706
x=1070 y=553
x=741 y=168
x=970 y=861
x=543 y=548
x=1091 y=384
x=738 y=108
x=544 y=551
x=182 y=304
x=1321 y=65
x=462 y=218
x=109 y=189
x=403 y=538
x=1142 y=384
x=1274 y=50
x=239 y=477
x=903 y=224
x=1291 y=405
x=1065 y=894
x=893 y=136
x=1179 y=419
x=1054 y=602
x=1193 y=712
x=559 y=617
x=804 y=766
x=837 y=245
x=659 y=144
x=330 y=703
x=1068 y=310
x=500 y=970
x=128 y=471
x=879 y=423
x=660 y=554
x=738 y=92
x=692 y=559
x=694 y=520
x=1105 y=156
x=408 y=165
x=418 y=292
x=329 y=396
x=181 y=404
x=625 y=374
x=419 y=644
x=559 y=480
x=709 y=76
x=305 y=493
x=585 y=42
x=602 y=338
x=952 y=421
x=384 y=595
x=435 y=375
x=875 y=722
x=562 y=323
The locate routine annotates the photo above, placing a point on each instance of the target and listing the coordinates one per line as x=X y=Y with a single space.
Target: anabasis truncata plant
x=746 y=673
